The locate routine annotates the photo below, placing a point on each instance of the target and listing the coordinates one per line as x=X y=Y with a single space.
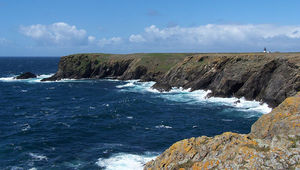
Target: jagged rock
x=283 y=120
x=273 y=143
x=26 y=75
x=255 y=77
x=162 y=87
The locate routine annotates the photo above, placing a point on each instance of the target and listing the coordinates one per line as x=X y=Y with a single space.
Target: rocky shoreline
x=269 y=78
x=274 y=140
x=273 y=143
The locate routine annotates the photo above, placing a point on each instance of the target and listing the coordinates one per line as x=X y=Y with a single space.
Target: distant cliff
x=273 y=143
x=264 y=77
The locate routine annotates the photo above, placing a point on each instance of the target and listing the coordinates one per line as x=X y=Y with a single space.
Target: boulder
x=26 y=75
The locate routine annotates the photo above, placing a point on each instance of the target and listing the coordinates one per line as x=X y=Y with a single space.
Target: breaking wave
x=193 y=97
x=124 y=161
x=37 y=79
x=30 y=80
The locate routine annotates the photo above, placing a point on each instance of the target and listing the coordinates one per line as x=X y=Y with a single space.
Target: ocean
x=102 y=124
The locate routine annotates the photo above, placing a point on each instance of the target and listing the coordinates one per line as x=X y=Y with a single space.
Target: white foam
x=136 y=86
x=8 y=79
x=44 y=76
x=26 y=127
x=194 y=97
x=130 y=84
x=38 y=79
x=123 y=161
x=92 y=107
x=163 y=126
x=33 y=168
x=30 y=80
x=38 y=157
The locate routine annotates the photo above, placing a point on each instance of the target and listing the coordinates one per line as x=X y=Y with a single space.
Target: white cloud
x=220 y=37
x=91 y=39
x=109 y=41
x=136 y=38
x=3 y=41
x=62 y=34
x=203 y=38
x=59 y=33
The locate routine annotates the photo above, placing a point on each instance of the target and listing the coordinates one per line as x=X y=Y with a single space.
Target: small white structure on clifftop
x=265 y=50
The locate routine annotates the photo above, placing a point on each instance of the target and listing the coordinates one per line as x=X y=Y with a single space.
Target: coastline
x=270 y=78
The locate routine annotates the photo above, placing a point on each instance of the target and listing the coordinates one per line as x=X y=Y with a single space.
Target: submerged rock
x=273 y=143
x=26 y=75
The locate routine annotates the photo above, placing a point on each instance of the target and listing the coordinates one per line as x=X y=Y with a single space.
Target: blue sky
x=61 y=27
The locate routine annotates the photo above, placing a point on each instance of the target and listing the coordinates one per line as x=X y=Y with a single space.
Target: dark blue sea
x=102 y=124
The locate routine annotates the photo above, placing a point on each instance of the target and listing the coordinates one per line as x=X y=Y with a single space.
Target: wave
x=30 y=80
x=37 y=79
x=38 y=157
x=137 y=86
x=125 y=161
x=194 y=97
x=163 y=126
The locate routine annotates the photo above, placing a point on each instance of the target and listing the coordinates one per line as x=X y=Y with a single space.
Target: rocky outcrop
x=147 y=67
x=264 y=77
x=26 y=75
x=273 y=143
x=255 y=76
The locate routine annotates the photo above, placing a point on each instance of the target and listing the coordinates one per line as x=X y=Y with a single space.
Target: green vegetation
x=155 y=62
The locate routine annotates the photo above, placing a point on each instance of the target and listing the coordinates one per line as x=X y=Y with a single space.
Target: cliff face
x=147 y=67
x=273 y=143
x=264 y=77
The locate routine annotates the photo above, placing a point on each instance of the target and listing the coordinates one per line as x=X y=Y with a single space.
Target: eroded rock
x=273 y=143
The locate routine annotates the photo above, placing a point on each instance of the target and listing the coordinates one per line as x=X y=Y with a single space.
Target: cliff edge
x=273 y=143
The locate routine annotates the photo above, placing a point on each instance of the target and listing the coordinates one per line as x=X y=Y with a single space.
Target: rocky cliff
x=264 y=77
x=147 y=67
x=273 y=143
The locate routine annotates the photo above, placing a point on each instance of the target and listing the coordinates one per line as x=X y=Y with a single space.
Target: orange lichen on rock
x=272 y=144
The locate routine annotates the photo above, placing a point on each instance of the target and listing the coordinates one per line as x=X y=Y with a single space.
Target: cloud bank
x=63 y=35
x=220 y=37
x=203 y=38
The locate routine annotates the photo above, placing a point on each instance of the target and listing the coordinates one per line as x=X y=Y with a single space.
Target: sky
x=62 y=27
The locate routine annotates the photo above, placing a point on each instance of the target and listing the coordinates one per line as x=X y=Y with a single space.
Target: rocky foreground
x=273 y=143
x=269 y=78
